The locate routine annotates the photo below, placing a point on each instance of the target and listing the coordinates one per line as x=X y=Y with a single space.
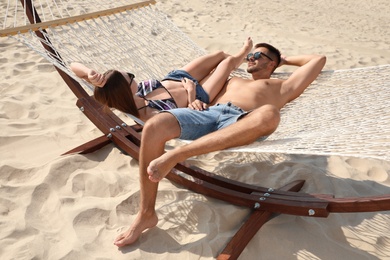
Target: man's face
x=258 y=60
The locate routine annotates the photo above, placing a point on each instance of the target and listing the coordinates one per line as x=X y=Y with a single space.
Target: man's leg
x=261 y=122
x=156 y=132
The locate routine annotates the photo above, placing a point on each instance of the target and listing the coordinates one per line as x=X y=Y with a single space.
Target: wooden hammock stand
x=264 y=201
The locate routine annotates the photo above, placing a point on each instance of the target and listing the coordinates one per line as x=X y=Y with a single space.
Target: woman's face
x=130 y=80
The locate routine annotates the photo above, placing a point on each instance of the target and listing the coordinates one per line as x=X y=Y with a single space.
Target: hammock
x=343 y=112
x=338 y=114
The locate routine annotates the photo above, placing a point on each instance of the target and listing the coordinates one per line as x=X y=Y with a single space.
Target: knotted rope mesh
x=344 y=112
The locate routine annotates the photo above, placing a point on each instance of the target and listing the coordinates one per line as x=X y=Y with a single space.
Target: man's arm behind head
x=310 y=67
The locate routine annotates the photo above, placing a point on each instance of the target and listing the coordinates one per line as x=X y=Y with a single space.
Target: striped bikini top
x=147 y=86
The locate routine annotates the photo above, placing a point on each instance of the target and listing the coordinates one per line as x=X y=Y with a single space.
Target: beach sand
x=73 y=207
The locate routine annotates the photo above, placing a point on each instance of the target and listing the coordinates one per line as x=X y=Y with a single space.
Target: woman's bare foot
x=141 y=223
x=245 y=49
x=161 y=166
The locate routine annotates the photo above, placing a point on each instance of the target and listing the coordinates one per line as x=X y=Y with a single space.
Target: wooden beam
x=78 y=18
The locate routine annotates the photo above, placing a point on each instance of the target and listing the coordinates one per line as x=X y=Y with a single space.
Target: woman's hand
x=88 y=74
x=193 y=103
x=190 y=86
x=97 y=79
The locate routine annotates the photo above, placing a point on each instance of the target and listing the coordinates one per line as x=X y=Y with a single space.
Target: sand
x=72 y=207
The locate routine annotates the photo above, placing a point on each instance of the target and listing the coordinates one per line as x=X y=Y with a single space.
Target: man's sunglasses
x=257 y=55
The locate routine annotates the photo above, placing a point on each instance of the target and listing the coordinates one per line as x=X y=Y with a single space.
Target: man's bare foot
x=160 y=167
x=245 y=49
x=140 y=224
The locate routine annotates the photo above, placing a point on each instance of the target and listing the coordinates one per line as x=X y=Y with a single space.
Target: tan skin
x=211 y=71
x=263 y=95
x=182 y=92
x=261 y=92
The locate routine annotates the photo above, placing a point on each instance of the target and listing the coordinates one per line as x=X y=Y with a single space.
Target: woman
x=201 y=79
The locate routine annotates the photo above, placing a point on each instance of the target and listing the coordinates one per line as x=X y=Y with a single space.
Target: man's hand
x=282 y=60
x=198 y=105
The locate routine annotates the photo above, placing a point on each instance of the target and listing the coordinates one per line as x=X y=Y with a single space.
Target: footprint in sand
x=378 y=174
x=42 y=213
x=25 y=65
x=45 y=67
x=86 y=184
x=6 y=206
x=374 y=170
x=89 y=223
x=14 y=111
x=130 y=206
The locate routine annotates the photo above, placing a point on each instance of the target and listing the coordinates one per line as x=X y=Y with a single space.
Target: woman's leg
x=200 y=67
x=217 y=79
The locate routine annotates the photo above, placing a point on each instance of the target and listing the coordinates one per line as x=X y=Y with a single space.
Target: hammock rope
x=343 y=112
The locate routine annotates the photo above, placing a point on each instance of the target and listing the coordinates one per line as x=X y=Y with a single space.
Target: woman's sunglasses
x=131 y=76
x=257 y=55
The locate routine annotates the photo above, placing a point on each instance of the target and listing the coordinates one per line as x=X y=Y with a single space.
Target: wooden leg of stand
x=90 y=146
x=249 y=229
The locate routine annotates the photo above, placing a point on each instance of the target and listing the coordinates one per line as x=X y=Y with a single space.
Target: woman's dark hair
x=116 y=93
x=274 y=53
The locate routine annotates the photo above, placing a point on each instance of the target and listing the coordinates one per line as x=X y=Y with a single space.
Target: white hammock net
x=344 y=112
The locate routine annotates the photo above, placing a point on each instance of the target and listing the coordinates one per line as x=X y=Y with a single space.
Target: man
x=245 y=110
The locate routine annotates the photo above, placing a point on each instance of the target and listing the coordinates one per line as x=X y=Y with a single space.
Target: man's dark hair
x=274 y=53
